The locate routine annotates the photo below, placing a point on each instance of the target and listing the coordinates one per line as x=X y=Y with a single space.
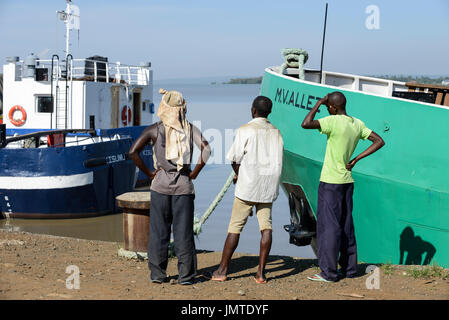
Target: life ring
x=126 y=120
x=22 y=120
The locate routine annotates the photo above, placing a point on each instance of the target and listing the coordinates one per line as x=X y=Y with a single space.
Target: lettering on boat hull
x=295 y=99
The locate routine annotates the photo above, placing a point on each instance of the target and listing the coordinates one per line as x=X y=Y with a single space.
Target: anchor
x=302 y=227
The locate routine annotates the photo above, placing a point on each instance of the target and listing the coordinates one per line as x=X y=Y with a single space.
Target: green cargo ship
x=401 y=195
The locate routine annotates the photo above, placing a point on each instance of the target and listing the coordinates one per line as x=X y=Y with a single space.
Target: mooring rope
x=294 y=58
x=199 y=223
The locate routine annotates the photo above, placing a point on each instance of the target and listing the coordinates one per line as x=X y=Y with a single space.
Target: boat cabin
x=76 y=93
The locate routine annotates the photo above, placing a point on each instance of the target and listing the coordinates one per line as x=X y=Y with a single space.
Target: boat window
x=44 y=104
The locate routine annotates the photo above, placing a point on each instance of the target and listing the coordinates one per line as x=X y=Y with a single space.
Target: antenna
x=322 y=46
x=71 y=18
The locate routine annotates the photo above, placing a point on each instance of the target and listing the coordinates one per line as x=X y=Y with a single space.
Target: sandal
x=210 y=276
x=317 y=277
x=260 y=281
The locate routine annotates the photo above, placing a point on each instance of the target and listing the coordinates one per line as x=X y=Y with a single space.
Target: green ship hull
x=401 y=193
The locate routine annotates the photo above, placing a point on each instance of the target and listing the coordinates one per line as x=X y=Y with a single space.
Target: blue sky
x=190 y=39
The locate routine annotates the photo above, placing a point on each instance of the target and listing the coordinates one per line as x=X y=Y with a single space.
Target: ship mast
x=71 y=18
x=67 y=28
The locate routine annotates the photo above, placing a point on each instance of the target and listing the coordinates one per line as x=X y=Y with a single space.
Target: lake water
x=218 y=110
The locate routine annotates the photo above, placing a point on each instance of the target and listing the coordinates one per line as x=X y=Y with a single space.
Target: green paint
x=403 y=187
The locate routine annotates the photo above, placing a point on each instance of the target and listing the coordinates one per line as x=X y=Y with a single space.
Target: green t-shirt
x=343 y=134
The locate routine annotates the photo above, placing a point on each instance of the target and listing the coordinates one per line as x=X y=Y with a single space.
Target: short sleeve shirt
x=258 y=148
x=343 y=134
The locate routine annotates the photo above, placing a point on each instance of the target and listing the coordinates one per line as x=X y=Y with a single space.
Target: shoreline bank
x=33 y=266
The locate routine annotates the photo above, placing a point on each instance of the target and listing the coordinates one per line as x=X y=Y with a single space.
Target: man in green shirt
x=335 y=227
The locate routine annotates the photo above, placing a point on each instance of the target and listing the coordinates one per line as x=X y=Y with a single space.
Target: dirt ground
x=34 y=267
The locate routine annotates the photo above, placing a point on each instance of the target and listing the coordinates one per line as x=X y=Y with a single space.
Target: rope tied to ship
x=294 y=58
x=198 y=223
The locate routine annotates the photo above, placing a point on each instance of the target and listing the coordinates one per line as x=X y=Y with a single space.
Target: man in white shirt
x=256 y=157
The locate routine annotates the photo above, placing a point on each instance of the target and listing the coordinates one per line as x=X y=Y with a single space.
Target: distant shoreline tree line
x=402 y=78
x=255 y=80
x=418 y=79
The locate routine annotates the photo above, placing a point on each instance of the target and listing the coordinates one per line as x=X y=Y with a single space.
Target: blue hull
x=71 y=181
x=146 y=154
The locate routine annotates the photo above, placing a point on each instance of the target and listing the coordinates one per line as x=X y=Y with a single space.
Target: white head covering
x=172 y=111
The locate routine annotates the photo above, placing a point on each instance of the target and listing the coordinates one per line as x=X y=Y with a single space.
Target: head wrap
x=172 y=112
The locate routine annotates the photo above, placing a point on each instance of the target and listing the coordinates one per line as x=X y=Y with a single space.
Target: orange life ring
x=126 y=120
x=22 y=120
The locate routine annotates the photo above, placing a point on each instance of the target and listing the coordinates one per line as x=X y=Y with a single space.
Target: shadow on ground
x=280 y=265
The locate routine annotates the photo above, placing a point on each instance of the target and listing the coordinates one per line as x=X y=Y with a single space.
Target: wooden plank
x=135 y=232
x=446 y=99
x=439 y=98
x=139 y=200
x=426 y=85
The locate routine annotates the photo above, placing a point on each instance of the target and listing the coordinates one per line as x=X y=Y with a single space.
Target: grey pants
x=165 y=211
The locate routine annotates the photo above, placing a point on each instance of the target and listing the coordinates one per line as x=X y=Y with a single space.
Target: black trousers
x=335 y=230
x=167 y=211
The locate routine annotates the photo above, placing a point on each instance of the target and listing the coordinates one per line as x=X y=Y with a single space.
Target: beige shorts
x=242 y=209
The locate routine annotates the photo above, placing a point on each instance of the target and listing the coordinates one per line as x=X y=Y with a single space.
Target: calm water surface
x=217 y=110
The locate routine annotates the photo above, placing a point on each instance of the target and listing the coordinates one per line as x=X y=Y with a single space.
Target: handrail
x=51 y=85
x=67 y=85
x=44 y=133
x=105 y=71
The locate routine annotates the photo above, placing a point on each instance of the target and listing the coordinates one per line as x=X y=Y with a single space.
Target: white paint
x=85 y=98
x=46 y=182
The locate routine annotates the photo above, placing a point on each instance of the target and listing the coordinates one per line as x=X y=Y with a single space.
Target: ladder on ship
x=61 y=92
x=61 y=105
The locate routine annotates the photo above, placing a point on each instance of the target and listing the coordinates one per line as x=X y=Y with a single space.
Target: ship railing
x=96 y=71
x=58 y=138
x=53 y=137
x=368 y=84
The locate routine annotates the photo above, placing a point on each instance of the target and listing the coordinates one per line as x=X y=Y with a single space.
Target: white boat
x=68 y=126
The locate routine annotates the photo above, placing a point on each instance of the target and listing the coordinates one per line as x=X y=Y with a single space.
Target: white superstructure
x=52 y=97
x=68 y=93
